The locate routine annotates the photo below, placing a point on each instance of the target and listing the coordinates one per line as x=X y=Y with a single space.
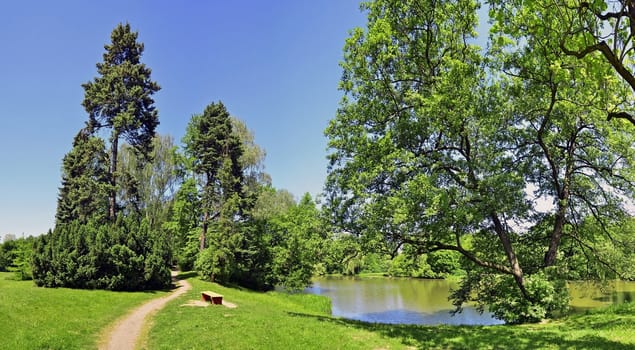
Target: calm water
x=419 y=301
x=588 y=295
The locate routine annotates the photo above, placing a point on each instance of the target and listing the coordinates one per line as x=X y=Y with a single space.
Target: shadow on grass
x=476 y=337
x=186 y=275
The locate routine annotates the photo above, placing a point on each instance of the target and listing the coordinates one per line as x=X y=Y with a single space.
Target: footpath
x=125 y=333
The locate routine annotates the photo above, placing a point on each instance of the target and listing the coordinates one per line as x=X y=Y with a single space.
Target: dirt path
x=125 y=333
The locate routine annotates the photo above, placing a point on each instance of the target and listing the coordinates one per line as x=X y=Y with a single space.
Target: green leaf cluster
x=125 y=255
x=91 y=247
x=503 y=154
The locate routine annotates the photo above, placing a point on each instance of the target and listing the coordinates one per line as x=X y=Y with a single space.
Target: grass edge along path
x=300 y=321
x=32 y=317
x=128 y=332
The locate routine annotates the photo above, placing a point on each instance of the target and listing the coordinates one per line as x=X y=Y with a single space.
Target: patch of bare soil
x=227 y=304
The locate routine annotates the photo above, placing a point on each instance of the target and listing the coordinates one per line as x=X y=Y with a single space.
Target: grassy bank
x=38 y=318
x=43 y=318
x=279 y=321
x=261 y=321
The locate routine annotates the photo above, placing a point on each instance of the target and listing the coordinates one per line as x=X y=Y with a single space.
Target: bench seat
x=214 y=298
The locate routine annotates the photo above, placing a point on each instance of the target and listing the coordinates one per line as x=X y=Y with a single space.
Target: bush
x=410 y=265
x=18 y=258
x=121 y=256
x=214 y=264
x=501 y=296
x=444 y=263
x=374 y=263
x=186 y=255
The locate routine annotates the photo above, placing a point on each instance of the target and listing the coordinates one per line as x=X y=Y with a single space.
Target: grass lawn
x=44 y=318
x=40 y=318
x=261 y=321
x=281 y=321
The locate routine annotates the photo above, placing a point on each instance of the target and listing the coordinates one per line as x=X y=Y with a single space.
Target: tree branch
x=621 y=115
x=603 y=48
x=436 y=246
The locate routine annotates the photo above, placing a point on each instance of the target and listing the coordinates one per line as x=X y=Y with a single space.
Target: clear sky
x=274 y=64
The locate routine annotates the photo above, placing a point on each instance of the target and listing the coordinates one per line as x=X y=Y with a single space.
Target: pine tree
x=120 y=99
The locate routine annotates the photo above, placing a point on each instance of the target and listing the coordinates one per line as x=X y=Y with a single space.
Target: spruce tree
x=215 y=150
x=84 y=191
x=120 y=100
x=91 y=247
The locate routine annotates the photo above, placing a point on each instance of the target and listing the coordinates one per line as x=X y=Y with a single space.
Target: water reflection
x=587 y=295
x=418 y=301
x=395 y=300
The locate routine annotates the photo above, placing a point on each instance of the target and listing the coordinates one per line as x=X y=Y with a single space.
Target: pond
x=421 y=301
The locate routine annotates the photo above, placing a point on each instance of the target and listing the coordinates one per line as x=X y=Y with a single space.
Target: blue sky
x=274 y=64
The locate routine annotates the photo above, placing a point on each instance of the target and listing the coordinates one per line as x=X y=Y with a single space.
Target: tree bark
x=112 y=198
x=203 y=237
x=563 y=200
x=516 y=271
x=556 y=237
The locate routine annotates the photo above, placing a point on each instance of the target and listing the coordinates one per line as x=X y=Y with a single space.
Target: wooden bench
x=212 y=297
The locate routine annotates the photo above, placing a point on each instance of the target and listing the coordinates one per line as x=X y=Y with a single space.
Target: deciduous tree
x=442 y=145
x=148 y=187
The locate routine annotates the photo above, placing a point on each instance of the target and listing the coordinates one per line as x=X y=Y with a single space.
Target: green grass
x=261 y=321
x=44 y=318
x=281 y=321
x=39 y=318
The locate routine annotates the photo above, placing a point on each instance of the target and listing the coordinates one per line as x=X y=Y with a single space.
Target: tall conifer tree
x=120 y=100
x=215 y=150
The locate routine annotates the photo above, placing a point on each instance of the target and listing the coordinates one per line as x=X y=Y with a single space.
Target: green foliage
x=280 y=244
x=547 y=296
x=374 y=263
x=214 y=151
x=445 y=263
x=403 y=266
x=601 y=253
x=252 y=160
x=7 y=252
x=251 y=234
x=216 y=263
x=300 y=321
x=262 y=239
x=16 y=256
x=86 y=250
x=122 y=256
x=299 y=235
x=23 y=255
x=438 y=142
x=120 y=99
x=183 y=226
x=342 y=254
x=85 y=181
x=147 y=188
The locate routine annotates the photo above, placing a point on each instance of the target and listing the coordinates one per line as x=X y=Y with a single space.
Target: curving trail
x=126 y=332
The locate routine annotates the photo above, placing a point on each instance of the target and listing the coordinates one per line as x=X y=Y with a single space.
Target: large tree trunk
x=563 y=200
x=556 y=237
x=203 y=237
x=112 y=198
x=516 y=270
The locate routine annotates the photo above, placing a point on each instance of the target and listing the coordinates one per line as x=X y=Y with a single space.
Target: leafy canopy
x=443 y=145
